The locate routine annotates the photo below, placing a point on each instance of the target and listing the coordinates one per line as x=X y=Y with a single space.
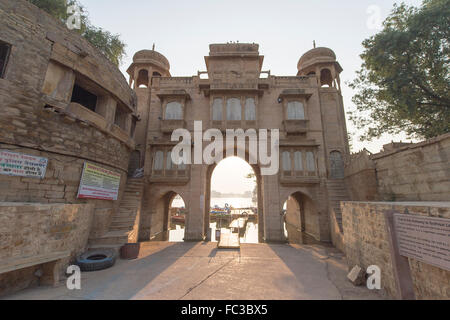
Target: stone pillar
x=106 y=107
x=273 y=220
x=196 y=199
x=128 y=120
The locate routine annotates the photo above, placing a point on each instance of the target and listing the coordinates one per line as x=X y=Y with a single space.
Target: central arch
x=259 y=203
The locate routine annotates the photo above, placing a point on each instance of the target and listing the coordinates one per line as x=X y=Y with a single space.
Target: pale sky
x=285 y=29
x=230 y=176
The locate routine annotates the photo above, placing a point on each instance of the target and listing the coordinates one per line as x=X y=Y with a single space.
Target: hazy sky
x=284 y=29
x=229 y=176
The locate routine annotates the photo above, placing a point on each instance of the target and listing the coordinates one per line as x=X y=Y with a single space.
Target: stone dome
x=152 y=57
x=316 y=55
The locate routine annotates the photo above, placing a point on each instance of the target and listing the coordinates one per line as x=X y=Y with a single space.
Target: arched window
x=156 y=74
x=250 y=109
x=336 y=165
x=174 y=111
x=234 y=109
x=310 y=161
x=312 y=73
x=158 y=161
x=217 y=109
x=295 y=110
x=286 y=160
x=298 y=161
x=142 y=80
x=326 y=78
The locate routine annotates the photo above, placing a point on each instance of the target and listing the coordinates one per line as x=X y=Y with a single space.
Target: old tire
x=96 y=259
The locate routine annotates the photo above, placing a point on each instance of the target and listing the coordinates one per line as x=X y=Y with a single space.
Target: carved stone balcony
x=296 y=126
x=168 y=126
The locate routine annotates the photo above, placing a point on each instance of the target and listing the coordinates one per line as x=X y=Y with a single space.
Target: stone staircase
x=123 y=221
x=337 y=192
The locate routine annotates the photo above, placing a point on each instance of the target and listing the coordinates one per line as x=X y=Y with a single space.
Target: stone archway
x=302 y=218
x=161 y=215
x=260 y=211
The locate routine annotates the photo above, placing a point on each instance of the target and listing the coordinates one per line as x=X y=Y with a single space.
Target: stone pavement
x=198 y=271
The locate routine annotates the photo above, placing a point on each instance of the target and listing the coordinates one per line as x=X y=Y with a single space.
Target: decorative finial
x=314 y=44
x=153 y=48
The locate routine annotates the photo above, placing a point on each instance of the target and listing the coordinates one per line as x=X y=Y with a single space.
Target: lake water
x=251 y=232
x=234 y=202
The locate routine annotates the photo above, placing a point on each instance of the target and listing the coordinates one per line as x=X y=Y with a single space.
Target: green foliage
x=404 y=83
x=109 y=44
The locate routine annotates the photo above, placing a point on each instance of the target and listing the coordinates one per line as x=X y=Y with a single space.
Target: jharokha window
x=250 y=109
x=295 y=163
x=217 y=112
x=174 y=111
x=163 y=166
x=234 y=109
x=4 y=55
x=295 y=110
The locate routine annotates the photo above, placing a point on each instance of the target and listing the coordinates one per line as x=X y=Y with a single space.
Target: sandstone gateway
x=64 y=107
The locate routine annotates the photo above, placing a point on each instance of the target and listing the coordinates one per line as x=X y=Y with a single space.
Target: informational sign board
x=98 y=183
x=426 y=239
x=23 y=165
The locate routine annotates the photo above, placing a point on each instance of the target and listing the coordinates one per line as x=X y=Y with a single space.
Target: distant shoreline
x=232 y=196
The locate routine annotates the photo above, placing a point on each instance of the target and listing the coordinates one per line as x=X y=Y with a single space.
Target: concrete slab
x=229 y=241
x=200 y=271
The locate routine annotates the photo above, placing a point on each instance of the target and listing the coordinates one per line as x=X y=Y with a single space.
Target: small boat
x=178 y=219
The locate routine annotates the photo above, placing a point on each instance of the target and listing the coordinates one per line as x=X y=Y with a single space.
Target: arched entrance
x=237 y=208
x=168 y=221
x=301 y=219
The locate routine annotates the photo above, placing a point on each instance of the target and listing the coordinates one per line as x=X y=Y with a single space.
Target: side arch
x=302 y=218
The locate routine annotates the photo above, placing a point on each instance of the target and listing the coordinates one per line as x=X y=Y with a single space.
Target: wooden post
x=400 y=264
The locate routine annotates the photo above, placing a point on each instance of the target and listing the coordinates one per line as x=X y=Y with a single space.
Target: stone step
x=111 y=238
x=134 y=185
x=129 y=204
x=125 y=217
x=115 y=247
x=121 y=228
x=126 y=211
x=131 y=197
x=122 y=224
x=129 y=201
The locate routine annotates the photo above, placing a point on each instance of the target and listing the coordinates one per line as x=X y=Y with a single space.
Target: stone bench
x=50 y=265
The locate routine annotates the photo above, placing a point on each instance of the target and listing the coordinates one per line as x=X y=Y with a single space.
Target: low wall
x=361 y=177
x=366 y=242
x=31 y=229
x=417 y=172
x=402 y=172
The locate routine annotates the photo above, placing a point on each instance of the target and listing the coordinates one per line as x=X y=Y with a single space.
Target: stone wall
x=361 y=177
x=402 y=172
x=417 y=172
x=367 y=243
x=29 y=230
x=38 y=118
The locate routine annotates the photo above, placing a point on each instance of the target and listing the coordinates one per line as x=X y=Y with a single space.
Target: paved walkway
x=201 y=271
